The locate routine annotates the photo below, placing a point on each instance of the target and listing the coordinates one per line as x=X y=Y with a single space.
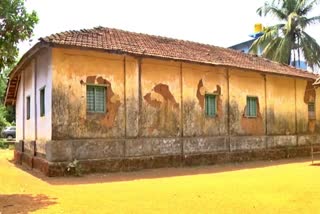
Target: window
x=28 y=107
x=311 y=110
x=42 y=102
x=96 y=98
x=251 y=107
x=210 y=102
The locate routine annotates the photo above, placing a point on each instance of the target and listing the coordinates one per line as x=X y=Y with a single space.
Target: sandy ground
x=287 y=186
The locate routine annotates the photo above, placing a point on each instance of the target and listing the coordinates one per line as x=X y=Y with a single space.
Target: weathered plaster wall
x=29 y=88
x=305 y=93
x=197 y=81
x=44 y=80
x=280 y=105
x=317 y=105
x=242 y=84
x=72 y=70
x=20 y=110
x=161 y=95
x=132 y=96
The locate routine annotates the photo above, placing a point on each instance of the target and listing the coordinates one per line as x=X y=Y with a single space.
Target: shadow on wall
x=24 y=203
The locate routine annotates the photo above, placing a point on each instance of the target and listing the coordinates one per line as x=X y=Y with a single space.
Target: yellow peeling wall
x=162 y=98
x=243 y=84
x=199 y=80
x=281 y=105
x=72 y=71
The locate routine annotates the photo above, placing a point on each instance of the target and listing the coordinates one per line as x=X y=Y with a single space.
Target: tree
x=16 y=25
x=288 y=39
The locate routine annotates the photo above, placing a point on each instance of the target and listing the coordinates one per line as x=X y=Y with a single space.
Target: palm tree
x=288 y=40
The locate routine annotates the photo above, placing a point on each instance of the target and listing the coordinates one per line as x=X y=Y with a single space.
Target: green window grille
x=311 y=110
x=42 y=102
x=211 y=107
x=96 y=98
x=28 y=107
x=251 y=107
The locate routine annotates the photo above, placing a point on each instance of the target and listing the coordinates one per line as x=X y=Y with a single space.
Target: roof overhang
x=15 y=75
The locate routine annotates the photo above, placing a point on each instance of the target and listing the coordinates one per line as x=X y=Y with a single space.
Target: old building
x=116 y=100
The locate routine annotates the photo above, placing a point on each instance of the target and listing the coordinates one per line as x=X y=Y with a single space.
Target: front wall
x=72 y=70
x=242 y=84
x=281 y=105
x=161 y=98
x=197 y=81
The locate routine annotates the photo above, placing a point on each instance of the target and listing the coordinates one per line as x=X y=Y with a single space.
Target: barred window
x=28 y=107
x=42 y=102
x=251 y=107
x=96 y=98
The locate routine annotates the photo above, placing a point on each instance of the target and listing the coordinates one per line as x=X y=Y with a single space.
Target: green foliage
x=16 y=25
x=3 y=144
x=288 y=39
x=7 y=114
x=74 y=168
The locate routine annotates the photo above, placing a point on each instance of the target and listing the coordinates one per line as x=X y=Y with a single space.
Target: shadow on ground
x=162 y=172
x=24 y=203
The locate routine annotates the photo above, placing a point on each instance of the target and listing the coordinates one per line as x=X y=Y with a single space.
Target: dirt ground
x=287 y=186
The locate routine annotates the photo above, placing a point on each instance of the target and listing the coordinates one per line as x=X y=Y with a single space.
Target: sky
x=216 y=22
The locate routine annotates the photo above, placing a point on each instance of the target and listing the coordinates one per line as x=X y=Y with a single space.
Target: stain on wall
x=281 y=105
x=253 y=125
x=243 y=84
x=112 y=104
x=162 y=99
x=72 y=70
x=161 y=94
x=197 y=81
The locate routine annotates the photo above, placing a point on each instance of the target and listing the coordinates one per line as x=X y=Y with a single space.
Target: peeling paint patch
x=166 y=108
x=202 y=90
x=155 y=100
x=112 y=104
x=200 y=94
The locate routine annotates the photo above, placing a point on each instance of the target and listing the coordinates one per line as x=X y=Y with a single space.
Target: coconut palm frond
x=308 y=7
x=310 y=49
x=283 y=51
x=282 y=41
x=269 y=34
x=273 y=10
x=313 y=20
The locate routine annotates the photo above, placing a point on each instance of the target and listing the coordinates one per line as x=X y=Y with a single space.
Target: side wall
x=156 y=108
x=35 y=76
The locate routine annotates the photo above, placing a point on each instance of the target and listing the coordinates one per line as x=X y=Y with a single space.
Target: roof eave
x=25 y=59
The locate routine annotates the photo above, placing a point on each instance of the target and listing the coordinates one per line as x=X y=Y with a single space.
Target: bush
x=3 y=144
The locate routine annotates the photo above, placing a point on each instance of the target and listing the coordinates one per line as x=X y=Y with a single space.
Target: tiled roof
x=120 y=41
